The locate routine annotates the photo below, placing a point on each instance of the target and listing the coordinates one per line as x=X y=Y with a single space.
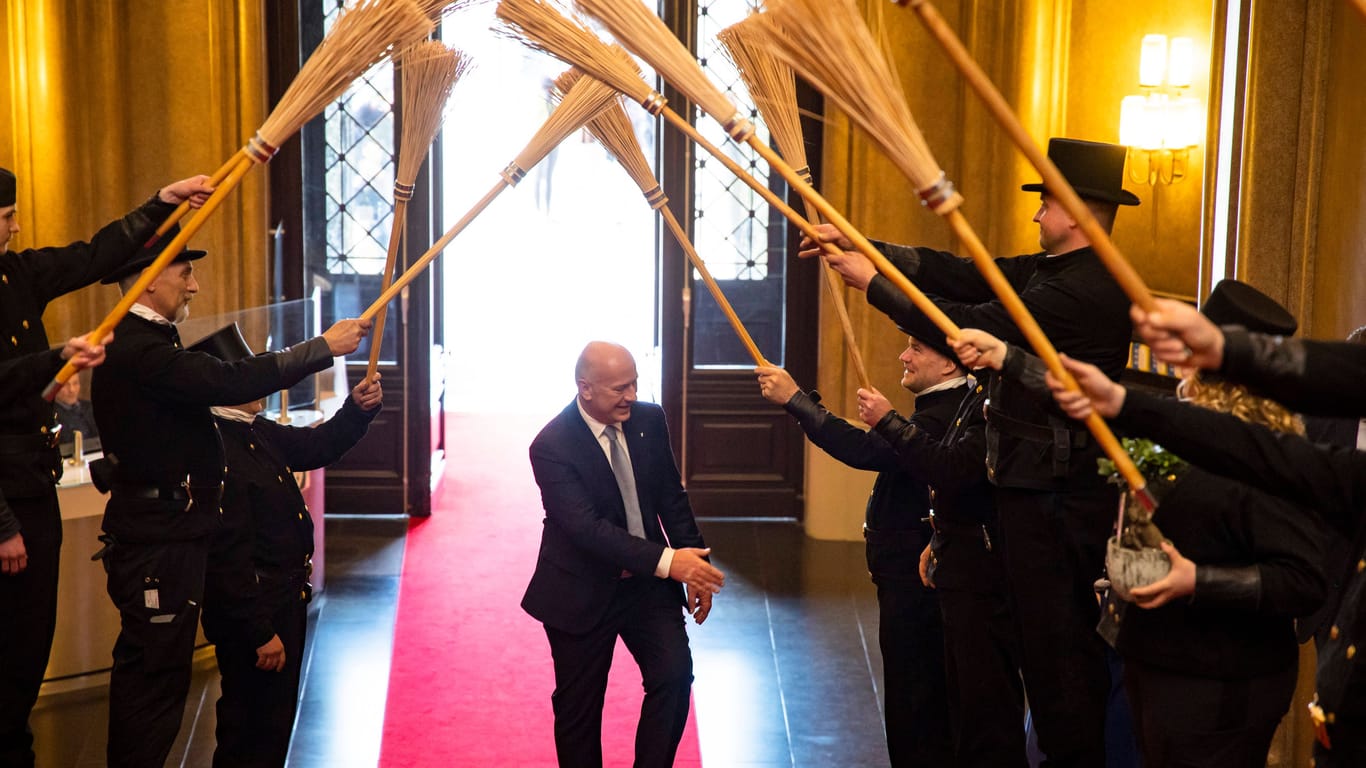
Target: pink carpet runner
x=471 y=677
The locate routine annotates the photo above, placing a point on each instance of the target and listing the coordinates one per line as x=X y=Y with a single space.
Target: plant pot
x=1130 y=568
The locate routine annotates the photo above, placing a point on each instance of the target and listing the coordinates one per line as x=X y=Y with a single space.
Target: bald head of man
x=606 y=377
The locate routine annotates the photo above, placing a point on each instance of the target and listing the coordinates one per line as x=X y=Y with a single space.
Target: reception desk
x=87 y=622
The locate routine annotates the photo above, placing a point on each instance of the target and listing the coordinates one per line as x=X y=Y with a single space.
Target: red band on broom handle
x=164 y=259
x=1053 y=180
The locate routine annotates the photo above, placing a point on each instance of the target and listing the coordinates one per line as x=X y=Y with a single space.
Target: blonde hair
x=1235 y=399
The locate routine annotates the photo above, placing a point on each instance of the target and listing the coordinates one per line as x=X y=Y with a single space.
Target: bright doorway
x=565 y=257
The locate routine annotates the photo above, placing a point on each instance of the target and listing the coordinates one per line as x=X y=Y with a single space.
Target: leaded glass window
x=742 y=240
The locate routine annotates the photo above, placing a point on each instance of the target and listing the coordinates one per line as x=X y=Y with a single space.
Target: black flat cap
x=9 y=188
x=147 y=255
x=1236 y=303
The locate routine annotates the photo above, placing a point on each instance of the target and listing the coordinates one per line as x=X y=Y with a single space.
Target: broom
x=540 y=24
x=1057 y=186
x=430 y=71
x=352 y=31
x=842 y=63
x=613 y=130
x=774 y=89
x=434 y=9
x=639 y=29
x=585 y=100
x=361 y=36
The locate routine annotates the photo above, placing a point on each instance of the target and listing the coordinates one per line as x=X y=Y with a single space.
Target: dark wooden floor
x=787 y=668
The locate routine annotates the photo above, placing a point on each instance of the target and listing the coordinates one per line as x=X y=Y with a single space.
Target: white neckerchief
x=147 y=313
x=232 y=414
x=950 y=384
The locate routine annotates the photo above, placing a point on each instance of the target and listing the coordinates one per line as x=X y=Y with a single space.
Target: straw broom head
x=613 y=130
x=435 y=9
x=364 y=34
x=430 y=72
x=584 y=101
x=771 y=85
x=543 y=26
x=638 y=28
x=842 y=60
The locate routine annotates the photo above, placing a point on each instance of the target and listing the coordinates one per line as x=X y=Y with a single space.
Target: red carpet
x=471 y=677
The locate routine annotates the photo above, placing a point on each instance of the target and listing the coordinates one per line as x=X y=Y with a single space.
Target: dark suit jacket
x=584 y=544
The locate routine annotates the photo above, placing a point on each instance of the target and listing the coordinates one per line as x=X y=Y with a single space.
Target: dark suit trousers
x=28 y=610
x=154 y=652
x=1054 y=549
x=911 y=639
x=646 y=614
x=256 y=710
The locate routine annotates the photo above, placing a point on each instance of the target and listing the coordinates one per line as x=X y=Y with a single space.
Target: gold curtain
x=110 y=101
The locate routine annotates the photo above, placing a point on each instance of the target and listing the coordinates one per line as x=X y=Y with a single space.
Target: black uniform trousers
x=986 y=695
x=646 y=614
x=28 y=611
x=1186 y=722
x=256 y=709
x=1054 y=550
x=158 y=588
x=911 y=639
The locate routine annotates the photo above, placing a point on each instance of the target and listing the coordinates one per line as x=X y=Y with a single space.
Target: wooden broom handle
x=1053 y=180
x=701 y=266
x=390 y=260
x=413 y=271
x=861 y=243
x=184 y=207
x=836 y=286
x=1042 y=346
x=154 y=269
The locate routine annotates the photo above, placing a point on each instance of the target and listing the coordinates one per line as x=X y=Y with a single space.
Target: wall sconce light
x=1162 y=126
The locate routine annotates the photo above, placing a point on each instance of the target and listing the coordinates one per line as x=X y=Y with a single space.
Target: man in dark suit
x=618 y=533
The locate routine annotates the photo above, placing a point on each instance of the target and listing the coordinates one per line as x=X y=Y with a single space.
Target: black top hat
x=1094 y=169
x=147 y=255
x=935 y=341
x=9 y=188
x=226 y=344
x=1234 y=303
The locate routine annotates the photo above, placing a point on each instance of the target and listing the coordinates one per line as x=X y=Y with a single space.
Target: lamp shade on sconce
x=1152 y=63
x=1180 y=62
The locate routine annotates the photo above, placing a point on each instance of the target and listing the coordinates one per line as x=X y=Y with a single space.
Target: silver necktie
x=626 y=483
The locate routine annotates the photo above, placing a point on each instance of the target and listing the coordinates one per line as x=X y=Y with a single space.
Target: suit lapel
x=596 y=467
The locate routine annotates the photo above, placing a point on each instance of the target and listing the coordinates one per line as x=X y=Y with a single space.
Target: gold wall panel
x=111 y=100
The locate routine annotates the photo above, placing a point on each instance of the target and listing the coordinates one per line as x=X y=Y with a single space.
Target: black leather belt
x=30 y=442
x=1038 y=433
x=154 y=492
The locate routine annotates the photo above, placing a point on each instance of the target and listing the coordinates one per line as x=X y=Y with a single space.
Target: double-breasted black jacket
x=152 y=400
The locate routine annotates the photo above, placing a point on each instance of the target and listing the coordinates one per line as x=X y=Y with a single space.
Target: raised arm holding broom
x=1055 y=511
x=363 y=35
